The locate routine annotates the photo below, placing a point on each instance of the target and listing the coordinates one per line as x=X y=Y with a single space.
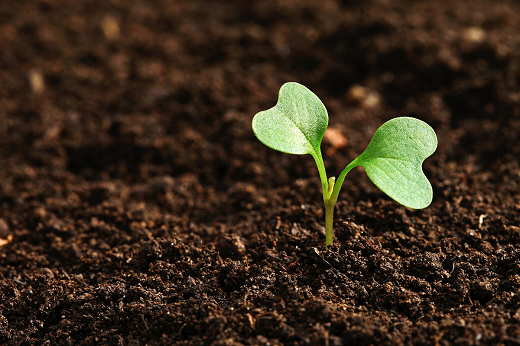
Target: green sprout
x=393 y=159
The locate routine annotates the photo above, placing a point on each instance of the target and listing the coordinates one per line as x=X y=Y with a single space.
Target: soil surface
x=138 y=208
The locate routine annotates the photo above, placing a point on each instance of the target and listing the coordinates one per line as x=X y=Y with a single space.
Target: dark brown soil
x=138 y=208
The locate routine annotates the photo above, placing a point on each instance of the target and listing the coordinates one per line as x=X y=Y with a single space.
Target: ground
x=138 y=208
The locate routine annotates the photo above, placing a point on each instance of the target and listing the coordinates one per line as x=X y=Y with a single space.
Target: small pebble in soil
x=362 y=96
x=4 y=229
x=36 y=81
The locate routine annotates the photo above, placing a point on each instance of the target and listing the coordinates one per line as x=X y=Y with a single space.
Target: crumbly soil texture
x=138 y=208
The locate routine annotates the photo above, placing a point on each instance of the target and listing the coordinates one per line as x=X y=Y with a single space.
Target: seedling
x=393 y=159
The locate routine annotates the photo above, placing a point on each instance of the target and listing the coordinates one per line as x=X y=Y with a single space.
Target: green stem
x=323 y=174
x=329 y=218
x=330 y=202
x=327 y=186
x=339 y=182
x=331 y=188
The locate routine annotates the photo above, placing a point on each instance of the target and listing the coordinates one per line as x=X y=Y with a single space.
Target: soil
x=138 y=208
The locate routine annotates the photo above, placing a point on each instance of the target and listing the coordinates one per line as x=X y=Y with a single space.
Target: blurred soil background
x=138 y=208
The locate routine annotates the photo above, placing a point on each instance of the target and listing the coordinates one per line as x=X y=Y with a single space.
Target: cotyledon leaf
x=393 y=160
x=296 y=124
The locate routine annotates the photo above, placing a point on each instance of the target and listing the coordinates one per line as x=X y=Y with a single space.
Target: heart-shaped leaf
x=393 y=160
x=296 y=124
